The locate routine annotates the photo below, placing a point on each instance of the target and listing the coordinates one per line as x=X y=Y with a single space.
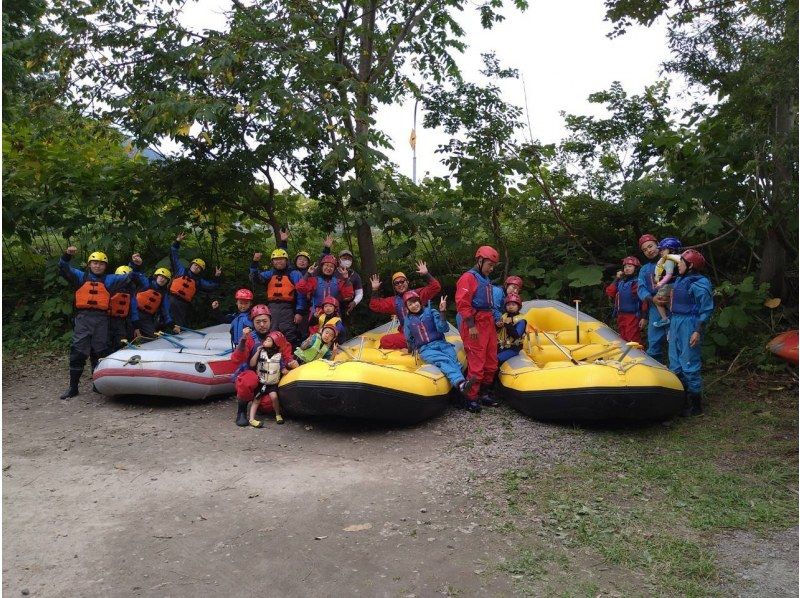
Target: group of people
x=673 y=285
x=302 y=317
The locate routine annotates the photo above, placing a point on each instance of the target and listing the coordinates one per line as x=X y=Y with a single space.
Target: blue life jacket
x=400 y=309
x=683 y=302
x=483 y=299
x=325 y=288
x=238 y=323
x=423 y=328
x=626 y=301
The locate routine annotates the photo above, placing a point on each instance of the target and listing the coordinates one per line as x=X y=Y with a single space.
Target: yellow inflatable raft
x=579 y=369
x=366 y=382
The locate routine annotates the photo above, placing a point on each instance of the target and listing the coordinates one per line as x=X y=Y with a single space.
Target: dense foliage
x=288 y=91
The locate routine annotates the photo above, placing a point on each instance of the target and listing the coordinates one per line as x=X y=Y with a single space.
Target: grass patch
x=649 y=501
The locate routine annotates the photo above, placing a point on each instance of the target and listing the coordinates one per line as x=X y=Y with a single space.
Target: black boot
x=241 y=414
x=74 y=378
x=487 y=397
x=695 y=406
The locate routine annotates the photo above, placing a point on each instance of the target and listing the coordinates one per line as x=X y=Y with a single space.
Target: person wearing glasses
x=395 y=305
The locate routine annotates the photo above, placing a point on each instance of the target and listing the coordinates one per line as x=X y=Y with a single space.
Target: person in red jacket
x=475 y=305
x=396 y=306
x=246 y=378
x=629 y=309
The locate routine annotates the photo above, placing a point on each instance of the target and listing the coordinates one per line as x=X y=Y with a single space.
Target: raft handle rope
x=200 y=332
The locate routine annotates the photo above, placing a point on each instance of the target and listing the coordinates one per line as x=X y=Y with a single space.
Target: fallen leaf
x=773 y=302
x=122 y=467
x=360 y=527
x=320 y=537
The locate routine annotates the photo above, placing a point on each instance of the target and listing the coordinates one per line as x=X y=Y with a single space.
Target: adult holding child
x=395 y=305
x=646 y=290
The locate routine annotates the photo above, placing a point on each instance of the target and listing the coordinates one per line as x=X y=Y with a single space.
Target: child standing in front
x=267 y=361
x=630 y=311
x=692 y=303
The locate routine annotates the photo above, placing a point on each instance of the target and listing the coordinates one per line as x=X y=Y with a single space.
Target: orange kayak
x=785 y=345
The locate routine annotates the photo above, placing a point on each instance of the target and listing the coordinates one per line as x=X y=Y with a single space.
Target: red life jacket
x=119 y=305
x=92 y=295
x=280 y=288
x=184 y=287
x=149 y=301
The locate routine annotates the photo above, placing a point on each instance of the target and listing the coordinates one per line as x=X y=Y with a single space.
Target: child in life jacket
x=424 y=330
x=630 y=311
x=394 y=305
x=245 y=378
x=123 y=324
x=268 y=364
x=512 y=333
x=320 y=345
x=152 y=301
x=241 y=318
x=664 y=272
x=330 y=311
x=325 y=283
x=692 y=304
x=186 y=282
x=92 y=302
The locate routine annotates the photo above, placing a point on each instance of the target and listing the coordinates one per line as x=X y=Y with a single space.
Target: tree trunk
x=366 y=248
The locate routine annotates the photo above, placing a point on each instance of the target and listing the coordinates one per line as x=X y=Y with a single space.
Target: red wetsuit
x=474 y=305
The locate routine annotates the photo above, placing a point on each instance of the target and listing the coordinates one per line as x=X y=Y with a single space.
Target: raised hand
x=422 y=268
x=71 y=250
x=328 y=242
x=257 y=256
x=180 y=237
x=283 y=234
x=136 y=259
x=375 y=281
x=619 y=273
x=312 y=268
x=443 y=303
x=218 y=272
x=215 y=304
x=245 y=331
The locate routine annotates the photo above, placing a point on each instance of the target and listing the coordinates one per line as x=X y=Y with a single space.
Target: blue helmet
x=670 y=243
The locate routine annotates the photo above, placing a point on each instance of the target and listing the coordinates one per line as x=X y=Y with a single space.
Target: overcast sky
x=559 y=47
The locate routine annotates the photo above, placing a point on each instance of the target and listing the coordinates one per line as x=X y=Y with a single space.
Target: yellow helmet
x=199 y=262
x=123 y=270
x=279 y=253
x=305 y=254
x=397 y=275
x=98 y=256
x=163 y=272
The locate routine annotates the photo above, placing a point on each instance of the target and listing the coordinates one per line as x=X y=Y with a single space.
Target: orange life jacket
x=92 y=295
x=119 y=305
x=280 y=288
x=149 y=301
x=184 y=287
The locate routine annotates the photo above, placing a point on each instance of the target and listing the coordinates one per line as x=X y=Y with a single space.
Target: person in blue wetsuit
x=240 y=319
x=424 y=331
x=692 y=303
x=645 y=289
x=152 y=301
x=186 y=282
x=92 y=302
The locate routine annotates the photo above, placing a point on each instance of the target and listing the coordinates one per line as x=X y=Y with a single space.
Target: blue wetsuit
x=692 y=306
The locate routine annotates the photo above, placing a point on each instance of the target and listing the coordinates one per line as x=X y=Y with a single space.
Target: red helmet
x=694 y=258
x=331 y=301
x=328 y=259
x=259 y=310
x=632 y=261
x=513 y=280
x=645 y=238
x=245 y=294
x=408 y=295
x=514 y=298
x=487 y=253
x=277 y=337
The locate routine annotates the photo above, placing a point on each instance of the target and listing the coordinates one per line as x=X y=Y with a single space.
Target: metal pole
x=414 y=145
x=577 y=321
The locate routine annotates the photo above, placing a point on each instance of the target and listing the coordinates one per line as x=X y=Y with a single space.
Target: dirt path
x=154 y=498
